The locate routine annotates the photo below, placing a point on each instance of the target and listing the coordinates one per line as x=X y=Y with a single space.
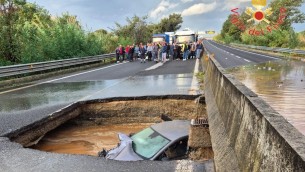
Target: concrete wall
x=246 y=133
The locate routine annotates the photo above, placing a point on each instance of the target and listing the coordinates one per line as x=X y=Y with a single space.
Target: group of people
x=159 y=52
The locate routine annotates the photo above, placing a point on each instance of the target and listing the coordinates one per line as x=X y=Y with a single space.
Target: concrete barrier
x=246 y=133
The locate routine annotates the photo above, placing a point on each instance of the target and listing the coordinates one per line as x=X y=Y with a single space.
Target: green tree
x=230 y=32
x=301 y=38
x=8 y=18
x=30 y=34
x=294 y=15
x=137 y=30
x=170 y=24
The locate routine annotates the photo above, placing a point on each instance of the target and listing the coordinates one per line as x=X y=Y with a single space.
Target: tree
x=136 y=29
x=230 y=32
x=30 y=34
x=170 y=24
x=294 y=15
x=8 y=17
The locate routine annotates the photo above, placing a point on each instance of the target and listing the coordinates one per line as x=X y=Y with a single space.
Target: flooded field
x=281 y=84
x=85 y=140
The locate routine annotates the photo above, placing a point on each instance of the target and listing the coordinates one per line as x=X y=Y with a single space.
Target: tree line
x=30 y=34
x=279 y=35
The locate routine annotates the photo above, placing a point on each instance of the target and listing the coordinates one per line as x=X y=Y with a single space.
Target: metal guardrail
x=277 y=50
x=8 y=71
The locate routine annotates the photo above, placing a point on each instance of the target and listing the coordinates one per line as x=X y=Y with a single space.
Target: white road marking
x=82 y=73
x=29 y=86
x=248 y=52
x=154 y=66
x=247 y=60
x=238 y=57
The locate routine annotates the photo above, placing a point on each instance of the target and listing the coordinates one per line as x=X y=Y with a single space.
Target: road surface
x=229 y=57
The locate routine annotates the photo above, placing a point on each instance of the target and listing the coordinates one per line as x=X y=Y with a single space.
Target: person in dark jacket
x=179 y=57
x=175 y=51
x=168 y=48
x=199 y=49
x=130 y=53
x=122 y=53
x=142 y=53
x=164 y=52
x=117 y=54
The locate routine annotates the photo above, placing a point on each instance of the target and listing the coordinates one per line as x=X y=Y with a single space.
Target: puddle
x=281 y=84
x=85 y=140
x=57 y=93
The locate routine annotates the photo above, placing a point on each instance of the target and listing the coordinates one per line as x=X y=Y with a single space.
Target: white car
x=162 y=141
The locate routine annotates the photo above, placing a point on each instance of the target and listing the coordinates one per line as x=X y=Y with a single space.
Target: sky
x=198 y=15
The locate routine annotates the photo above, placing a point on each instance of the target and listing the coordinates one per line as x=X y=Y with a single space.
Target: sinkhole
x=88 y=127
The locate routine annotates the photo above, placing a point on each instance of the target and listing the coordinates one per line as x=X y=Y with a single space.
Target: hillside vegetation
x=30 y=34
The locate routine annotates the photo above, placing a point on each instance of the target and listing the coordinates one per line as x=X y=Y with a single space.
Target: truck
x=185 y=36
x=171 y=37
x=160 y=37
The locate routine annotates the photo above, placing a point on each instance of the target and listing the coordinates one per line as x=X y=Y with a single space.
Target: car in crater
x=162 y=141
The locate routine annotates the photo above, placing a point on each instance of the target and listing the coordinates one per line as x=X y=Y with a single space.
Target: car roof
x=173 y=130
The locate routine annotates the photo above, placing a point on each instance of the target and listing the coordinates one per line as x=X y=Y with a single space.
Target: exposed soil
x=85 y=140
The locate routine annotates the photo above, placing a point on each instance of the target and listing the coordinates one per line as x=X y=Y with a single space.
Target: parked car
x=162 y=141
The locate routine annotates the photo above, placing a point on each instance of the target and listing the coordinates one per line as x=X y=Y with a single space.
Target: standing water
x=86 y=140
x=281 y=84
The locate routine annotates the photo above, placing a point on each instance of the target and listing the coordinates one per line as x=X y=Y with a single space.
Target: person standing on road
x=122 y=51
x=117 y=54
x=171 y=51
x=160 y=51
x=142 y=53
x=179 y=51
x=164 y=50
x=199 y=48
x=155 y=52
x=175 y=51
x=130 y=54
x=127 y=52
x=136 y=52
x=184 y=49
x=149 y=51
x=193 y=50
x=167 y=50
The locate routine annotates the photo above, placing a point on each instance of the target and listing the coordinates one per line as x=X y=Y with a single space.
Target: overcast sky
x=199 y=15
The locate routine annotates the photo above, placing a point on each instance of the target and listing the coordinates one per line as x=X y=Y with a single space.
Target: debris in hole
x=165 y=118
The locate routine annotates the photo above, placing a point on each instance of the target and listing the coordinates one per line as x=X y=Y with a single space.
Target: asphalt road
x=22 y=106
x=229 y=57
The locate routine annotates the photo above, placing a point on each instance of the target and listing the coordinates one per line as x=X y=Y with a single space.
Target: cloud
x=164 y=6
x=230 y=4
x=185 y=1
x=199 y=9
